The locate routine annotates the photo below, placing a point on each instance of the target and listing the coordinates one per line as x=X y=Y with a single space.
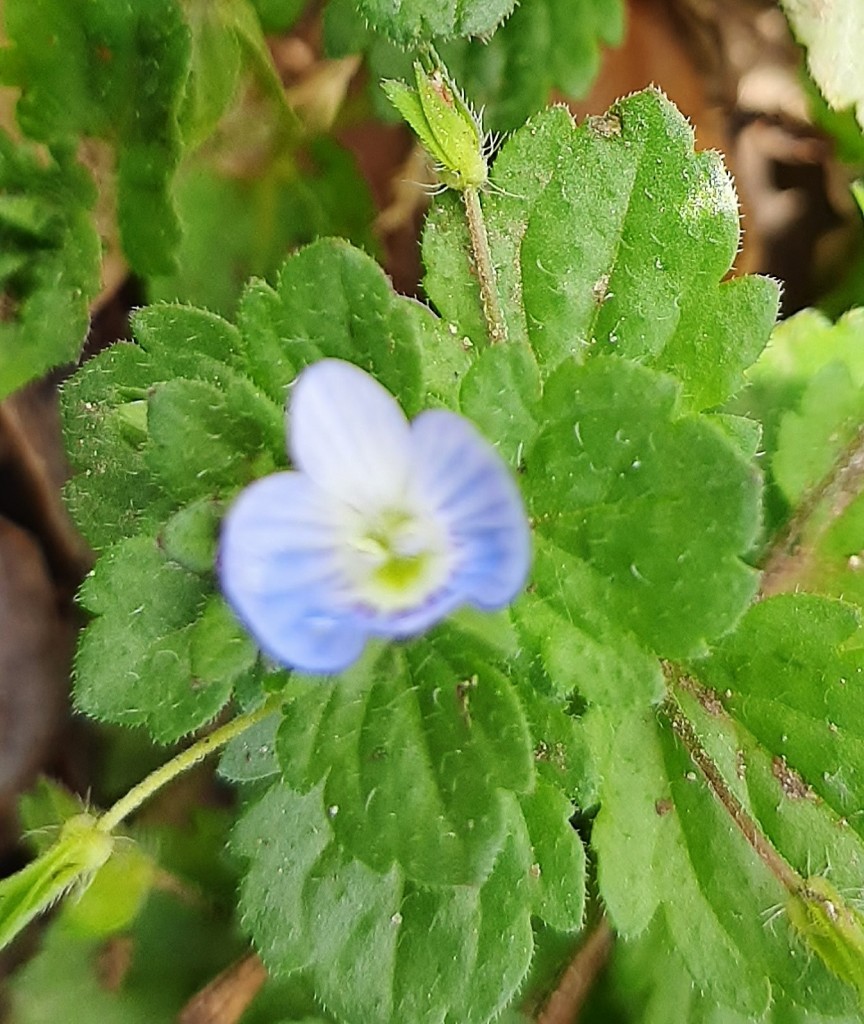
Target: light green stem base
x=185 y=760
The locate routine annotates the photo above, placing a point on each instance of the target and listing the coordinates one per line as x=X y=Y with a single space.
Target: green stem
x=486 y=276
x=185 y=760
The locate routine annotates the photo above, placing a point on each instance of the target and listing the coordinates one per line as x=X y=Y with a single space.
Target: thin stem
x=788 y=555
x=185 y=760
x=566 y=1002
x=683 y=729
x=495 y=323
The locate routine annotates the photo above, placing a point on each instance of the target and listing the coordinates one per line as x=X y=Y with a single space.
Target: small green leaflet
x=611 y=238
x=80 y=851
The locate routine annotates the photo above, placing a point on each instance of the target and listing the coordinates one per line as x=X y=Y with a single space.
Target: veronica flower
x=383 y=528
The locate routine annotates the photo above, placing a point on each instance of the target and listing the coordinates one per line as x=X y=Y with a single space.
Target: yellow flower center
x=397 y=560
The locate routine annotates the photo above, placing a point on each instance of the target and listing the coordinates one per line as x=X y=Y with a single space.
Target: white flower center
x=395 y=559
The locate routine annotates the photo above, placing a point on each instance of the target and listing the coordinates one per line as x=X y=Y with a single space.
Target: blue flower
x=384 y=528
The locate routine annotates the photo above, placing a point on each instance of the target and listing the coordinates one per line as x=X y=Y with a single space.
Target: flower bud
x=445 y=124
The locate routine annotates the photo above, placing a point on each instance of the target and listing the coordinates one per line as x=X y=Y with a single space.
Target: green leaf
x=136 y=660
x=793 y=674
x=333 y=300
x=210 y=461
x=501 y=394
x=252 y=755
x=112 y=493
x=415 y=21
x=666 y=845
x=648 y=982
x=543 y=45
x=178 y=336
x=563 y=619
x=115 y=72
x=612 y=237
x=190 y=537
x=220 y=649
x=415 y=747
x=827 y=32
x=657 y=504
x=49 y=270
x=558 y=869
x=379 y=950
x=630 y=825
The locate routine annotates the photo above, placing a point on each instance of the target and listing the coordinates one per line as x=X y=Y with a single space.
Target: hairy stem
x=185 y=760
x=495 y=323
x=684 y=730
x=789 y=555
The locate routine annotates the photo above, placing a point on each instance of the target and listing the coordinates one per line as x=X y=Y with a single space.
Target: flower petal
x=411 y=621
x=459 y=474
x=279 y=573
x=349 y=435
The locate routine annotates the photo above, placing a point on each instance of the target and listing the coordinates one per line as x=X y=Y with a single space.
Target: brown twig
x=566 y=1002
x=227 y=997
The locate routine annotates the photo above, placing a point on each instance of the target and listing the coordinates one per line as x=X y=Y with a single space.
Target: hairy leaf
x=414 y=21
x=135 y=660
x=431 y=735
x=793 y=674
x=379 y=949
x=333 y=300
x=666 y=846
x=612 y=238
x=657 y=505
x=543 y=45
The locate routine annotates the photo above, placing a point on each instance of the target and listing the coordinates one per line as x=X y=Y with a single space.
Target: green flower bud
x=831 y=928
x=74 y=859
x=445 y=124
